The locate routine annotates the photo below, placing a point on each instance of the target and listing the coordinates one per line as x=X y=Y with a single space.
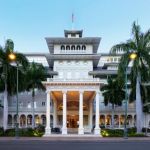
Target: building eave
x=95 y=58
x=85 y=40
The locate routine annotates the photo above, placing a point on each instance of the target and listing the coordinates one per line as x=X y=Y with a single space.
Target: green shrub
x=40 y=128
x=136 y=135
x=10 y=132
x=1 y=131
x=27 y=132
x=120 y=133
x=112 y=132
x=132 y=130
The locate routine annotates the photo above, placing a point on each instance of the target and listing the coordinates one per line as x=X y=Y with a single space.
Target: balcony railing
x=121 y=109
x=74 y=80
x=26 y=109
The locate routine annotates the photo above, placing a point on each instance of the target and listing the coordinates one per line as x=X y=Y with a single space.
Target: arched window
x=83 y=47
x=62 y=47
x=67 y=47
x=78 y=47
x=73 y=47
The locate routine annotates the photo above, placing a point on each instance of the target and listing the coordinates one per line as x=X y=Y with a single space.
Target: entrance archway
x=72 y=121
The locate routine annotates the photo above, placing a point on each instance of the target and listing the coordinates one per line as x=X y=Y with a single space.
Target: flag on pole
x=72 y=17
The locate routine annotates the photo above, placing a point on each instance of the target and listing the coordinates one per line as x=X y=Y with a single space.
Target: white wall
x=73 y=69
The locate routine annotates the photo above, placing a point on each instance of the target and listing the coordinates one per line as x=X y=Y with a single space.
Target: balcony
x=28 y=110
x=121 y=109
x=74 y=80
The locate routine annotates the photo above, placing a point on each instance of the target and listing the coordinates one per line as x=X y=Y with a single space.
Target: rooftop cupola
x=73 y=33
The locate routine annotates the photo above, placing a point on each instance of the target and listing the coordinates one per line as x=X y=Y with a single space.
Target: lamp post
x=132 y=56
x=12 y=57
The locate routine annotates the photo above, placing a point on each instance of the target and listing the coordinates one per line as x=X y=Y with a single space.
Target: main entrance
x=72 y=121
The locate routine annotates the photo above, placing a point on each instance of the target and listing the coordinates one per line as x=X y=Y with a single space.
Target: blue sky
x=28 y=22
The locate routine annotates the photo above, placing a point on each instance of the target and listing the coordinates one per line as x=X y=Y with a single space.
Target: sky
x=28 y=22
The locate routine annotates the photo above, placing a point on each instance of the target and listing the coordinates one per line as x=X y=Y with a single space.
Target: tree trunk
x=33 y=117
x=5 y=111
x=139 y=109
x=112 y=117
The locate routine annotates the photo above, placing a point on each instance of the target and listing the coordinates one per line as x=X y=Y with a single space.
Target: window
x=83 y=47
x=85 y=62
x=35 y=105
x=73 y=47
x=77 y=62
x=78 y=47
x=61 y=75
x=61 y=62
x=69 y=75
x=115 y=59
x=62 y=47
x=43 y=103
x=69 y=62
x=67 y=47
x=111 y=59
x=29 y=105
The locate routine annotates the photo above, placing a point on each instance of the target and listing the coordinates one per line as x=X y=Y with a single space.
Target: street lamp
x=132 y=56
x=12 y=57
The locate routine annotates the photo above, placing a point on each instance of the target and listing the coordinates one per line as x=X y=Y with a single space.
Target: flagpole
x=72 y=21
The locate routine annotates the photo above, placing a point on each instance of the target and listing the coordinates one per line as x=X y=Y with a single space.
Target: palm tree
x=36 y=73
x=113 y=93
x=8 y=74
x=140 y=45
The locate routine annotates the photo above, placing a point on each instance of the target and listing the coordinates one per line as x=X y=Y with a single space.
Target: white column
x=48 y=129
x=64 y=127
x=119 y=121
x=90 y=114
x=18 y=120
x=5 y=110
x=26 y=121
x=97 y=128
x=105 y=120
x=55 y=114
x=81 y=129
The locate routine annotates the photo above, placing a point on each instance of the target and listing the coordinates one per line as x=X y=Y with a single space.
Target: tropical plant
x=113 y=94
x=140 y=45
x=35 y=74
x=8 y=75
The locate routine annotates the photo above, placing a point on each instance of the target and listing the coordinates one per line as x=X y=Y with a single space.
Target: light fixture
x=12 y=56
x=133 y=56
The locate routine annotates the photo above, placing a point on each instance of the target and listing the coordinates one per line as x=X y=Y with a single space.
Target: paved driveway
x=45 y=144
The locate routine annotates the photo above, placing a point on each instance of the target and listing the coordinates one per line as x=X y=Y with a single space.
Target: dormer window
x=73 y=47
x=83 y=47
x=67 y=47
x=62 y=47
x=78 y=47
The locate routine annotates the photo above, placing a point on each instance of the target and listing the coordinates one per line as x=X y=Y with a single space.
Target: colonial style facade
x=72 y=100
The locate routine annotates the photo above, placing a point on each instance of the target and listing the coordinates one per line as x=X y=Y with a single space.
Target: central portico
x=67 y=99
x=72 y=89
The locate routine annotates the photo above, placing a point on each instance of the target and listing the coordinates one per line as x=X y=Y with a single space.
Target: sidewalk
x=76 y=138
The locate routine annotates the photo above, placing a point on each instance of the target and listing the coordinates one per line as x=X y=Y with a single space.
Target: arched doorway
x=43 y=120
x=29 y=120
x=72 y=121
x=102 y=120
x=10 y=120
x=37 y=120
x=22 y=121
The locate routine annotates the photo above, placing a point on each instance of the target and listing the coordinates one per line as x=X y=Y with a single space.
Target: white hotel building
x=72 y=100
